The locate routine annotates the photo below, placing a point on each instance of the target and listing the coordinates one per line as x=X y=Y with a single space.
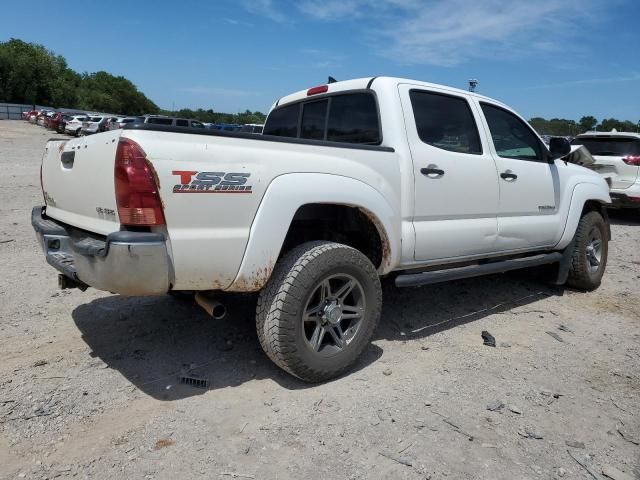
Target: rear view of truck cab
x=109 y=227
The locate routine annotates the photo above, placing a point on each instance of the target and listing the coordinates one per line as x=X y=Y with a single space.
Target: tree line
x=30 y=74
x=209 y=116
x=564 y=127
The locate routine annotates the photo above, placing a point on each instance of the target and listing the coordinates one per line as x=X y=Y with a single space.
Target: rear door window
x=445 y=122
x=314 y=117
x=609 y=146
x=182 y=123
x=283 y=121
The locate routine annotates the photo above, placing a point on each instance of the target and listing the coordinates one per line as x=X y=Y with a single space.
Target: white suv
x=74 y=124
x=617 y=156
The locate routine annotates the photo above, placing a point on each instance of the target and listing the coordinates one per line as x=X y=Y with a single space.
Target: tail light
x=632 y=160
x=137 y=194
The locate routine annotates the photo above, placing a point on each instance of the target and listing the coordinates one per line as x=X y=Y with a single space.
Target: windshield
x=96 y=119
x=609 y=146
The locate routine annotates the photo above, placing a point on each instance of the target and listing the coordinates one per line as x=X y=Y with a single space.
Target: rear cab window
x=609 y=146
x=346 y=117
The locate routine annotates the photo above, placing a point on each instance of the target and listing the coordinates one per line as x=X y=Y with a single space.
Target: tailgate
x=78 y=182
x=622 y=175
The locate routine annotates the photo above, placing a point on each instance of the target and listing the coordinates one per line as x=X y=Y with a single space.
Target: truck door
x=456 y=183
x=529 y=184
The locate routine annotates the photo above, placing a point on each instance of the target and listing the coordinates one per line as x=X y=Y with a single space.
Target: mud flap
x=565 y=264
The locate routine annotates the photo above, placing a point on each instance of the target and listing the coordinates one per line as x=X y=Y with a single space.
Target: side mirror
x=559 y=147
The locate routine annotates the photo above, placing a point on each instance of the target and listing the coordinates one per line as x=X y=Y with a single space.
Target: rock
x=561 y=472
x=555 y=336
x=564 y=328
x=527 y=432
x=615 y=474
x=505 y=344
x=424 y=348
x=488 y=339
x=574 y=444
x=495 y=405
x=387 y=372
x=514 y=409
x=40 y=363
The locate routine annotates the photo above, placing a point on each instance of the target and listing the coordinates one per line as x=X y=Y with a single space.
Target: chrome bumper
x=128 y=263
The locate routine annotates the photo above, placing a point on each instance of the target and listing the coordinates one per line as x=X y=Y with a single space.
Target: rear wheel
x=319 y=310
x=590 y=250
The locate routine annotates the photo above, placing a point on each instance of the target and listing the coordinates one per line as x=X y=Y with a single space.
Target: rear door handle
x=508 y=175
x=429 y=171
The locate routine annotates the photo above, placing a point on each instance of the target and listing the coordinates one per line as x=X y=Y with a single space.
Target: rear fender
x=285 y=195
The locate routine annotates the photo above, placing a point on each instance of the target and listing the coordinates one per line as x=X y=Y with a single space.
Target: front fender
x=582 y=193
x=282 y=199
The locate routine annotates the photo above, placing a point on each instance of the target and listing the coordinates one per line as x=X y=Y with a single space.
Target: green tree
x=587 y=123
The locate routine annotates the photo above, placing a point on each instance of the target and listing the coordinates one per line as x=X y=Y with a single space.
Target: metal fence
x=13 y=111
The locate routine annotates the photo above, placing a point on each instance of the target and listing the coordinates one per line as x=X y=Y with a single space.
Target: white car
x=350 y=182
x=93 y=124
x=74 y=124
x=617 y=159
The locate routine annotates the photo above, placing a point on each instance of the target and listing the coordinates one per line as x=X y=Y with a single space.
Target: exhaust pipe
x=212 y=306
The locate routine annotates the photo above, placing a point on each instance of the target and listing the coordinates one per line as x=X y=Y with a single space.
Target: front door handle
x=508 y=175
x=432 y=171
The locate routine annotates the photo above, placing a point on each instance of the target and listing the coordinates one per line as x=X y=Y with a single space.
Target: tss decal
x=211 y=182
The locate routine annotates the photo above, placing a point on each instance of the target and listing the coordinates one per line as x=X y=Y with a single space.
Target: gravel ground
x=89 y=382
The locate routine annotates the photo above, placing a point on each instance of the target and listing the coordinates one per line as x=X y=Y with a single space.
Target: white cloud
x=634 y=77
x=449 y=32
x=265 y=8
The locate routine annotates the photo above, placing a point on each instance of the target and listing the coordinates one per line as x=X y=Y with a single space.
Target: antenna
x=473 y=83
x=331 y=80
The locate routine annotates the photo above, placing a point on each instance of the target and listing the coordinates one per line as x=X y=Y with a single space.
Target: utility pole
x=473 y=83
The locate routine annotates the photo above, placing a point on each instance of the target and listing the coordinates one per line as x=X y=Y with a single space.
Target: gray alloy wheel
x=590 y=248
x=319 y=310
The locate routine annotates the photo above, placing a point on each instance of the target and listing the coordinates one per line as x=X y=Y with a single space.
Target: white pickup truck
x=350 y=182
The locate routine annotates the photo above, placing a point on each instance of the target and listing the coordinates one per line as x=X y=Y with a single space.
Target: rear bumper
x=129 y=263
x=622 y=200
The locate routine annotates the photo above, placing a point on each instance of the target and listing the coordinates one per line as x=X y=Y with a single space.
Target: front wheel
x=319 y=310
x=590 y=249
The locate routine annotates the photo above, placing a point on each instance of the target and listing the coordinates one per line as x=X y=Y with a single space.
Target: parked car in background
x=54 y=121
x=230 y=127
x=617 y=159
x=107 y=124
x=120 y=122
x=172 y=121
x=74 y=124
x=252 y=128
x=41 y=117
x=93 y=125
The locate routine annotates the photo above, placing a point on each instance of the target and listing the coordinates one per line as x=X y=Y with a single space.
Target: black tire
x=295 y=281
x=583 y=273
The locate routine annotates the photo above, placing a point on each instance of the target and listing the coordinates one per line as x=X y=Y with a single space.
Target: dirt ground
x=89 y=382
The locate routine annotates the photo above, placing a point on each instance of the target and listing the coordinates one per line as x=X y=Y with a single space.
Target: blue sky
x=550 y=58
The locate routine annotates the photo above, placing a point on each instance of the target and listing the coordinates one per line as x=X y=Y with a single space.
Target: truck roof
x=374 y=82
